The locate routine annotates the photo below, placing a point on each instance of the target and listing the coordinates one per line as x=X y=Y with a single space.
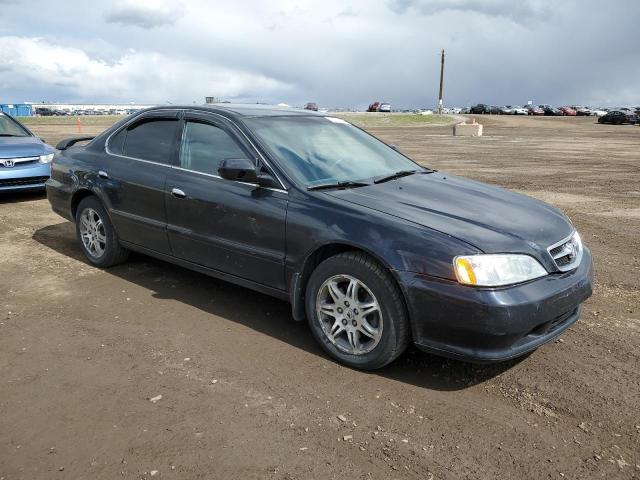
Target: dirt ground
x=245 y=392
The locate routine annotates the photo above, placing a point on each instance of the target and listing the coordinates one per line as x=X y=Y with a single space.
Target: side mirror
x=238 y=169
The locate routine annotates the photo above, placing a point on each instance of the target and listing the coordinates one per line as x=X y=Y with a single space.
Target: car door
x=133 y=176
x=230 y=226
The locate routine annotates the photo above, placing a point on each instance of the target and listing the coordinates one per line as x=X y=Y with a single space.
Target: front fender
x=400 y=245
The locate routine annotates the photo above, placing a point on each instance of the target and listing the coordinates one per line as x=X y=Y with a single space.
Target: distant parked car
x=567 y=111
x=520 y=111
x=598 y=112
x=506 y=110
x=494 y=110
x=480 y=108
x=619 y=117
x=534 y=110
x=385 y=107
x=582 y=111
x=25 y=160
x=374 y=107
x=311 y=106
x=44 y=111
x=550 y=111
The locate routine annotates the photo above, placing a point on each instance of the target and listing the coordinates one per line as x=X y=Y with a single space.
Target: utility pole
x=441 y=81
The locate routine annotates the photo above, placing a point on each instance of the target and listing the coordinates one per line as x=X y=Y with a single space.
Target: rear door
x=133 y=178
x=230 y=226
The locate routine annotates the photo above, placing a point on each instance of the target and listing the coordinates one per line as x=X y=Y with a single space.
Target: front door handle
x=103 y=174
x=176 y=192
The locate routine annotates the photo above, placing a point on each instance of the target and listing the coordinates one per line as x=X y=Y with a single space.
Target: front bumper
x=494 y=324
x=24 y=177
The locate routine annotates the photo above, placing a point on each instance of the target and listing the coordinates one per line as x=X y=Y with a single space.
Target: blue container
x=17 y=109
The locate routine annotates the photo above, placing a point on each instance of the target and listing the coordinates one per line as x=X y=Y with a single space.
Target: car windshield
x=10 y=128
x=323 y=150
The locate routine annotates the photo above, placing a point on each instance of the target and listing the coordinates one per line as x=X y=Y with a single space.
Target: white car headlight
x=494 y=270
x=46 y=158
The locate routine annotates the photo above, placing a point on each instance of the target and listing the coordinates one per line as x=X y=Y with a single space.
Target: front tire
x=96 y=235
x=356 y=311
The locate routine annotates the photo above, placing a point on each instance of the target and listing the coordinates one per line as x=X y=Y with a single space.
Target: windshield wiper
x=401 y=173
x=343 y=184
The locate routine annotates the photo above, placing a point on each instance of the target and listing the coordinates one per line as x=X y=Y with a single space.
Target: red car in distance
x=311 y=106
x=567 y=111
x=374 y=107
x=534 y=110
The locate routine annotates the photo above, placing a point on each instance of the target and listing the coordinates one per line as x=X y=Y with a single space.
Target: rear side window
x=204 y=146
x=151 y=139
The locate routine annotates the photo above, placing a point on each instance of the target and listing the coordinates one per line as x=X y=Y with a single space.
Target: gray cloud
x=143 y=15
x=518 y=11
x=498 y=52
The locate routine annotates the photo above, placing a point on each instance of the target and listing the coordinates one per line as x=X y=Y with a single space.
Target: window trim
x=214 y=123
x=221 y=120
x=180 y=115
x=160 y=114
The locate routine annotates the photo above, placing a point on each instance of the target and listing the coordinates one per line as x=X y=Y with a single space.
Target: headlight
x=46 y=158
x=493 y=270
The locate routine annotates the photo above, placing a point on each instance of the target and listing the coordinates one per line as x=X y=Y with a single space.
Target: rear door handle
x=103 y=174
x=176 y=192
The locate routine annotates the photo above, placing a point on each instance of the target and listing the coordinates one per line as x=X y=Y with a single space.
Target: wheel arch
x=315 y=257
x=84 y=192
x=78 y=196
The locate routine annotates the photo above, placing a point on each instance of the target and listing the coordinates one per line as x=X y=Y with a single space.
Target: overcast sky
x=334 y=52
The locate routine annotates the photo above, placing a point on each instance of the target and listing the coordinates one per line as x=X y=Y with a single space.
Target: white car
x=520 y=111
x=385 y=107
x=597 y=112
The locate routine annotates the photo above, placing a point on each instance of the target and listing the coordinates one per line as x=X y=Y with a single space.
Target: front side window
x=151 y=139
x=204 y=146
x=10 y=128
x=317 y=150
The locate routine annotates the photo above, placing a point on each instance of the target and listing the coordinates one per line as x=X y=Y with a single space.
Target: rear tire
x=96 y=235
x=356 y=311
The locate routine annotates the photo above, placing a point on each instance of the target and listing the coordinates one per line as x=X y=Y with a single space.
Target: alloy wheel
x=349 y=314
x=92 y=233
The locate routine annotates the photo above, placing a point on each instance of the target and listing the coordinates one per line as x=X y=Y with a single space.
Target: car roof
x=243 y=110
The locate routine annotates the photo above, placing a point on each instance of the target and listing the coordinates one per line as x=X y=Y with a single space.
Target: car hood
x=489 y=218
x=12 y=147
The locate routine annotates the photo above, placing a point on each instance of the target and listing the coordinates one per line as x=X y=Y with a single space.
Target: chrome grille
x=567 y=253
x=12 y=162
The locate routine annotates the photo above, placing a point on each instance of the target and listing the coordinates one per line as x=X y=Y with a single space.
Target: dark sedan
x=373 y=249
x=618 y=117
x=480 y=108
